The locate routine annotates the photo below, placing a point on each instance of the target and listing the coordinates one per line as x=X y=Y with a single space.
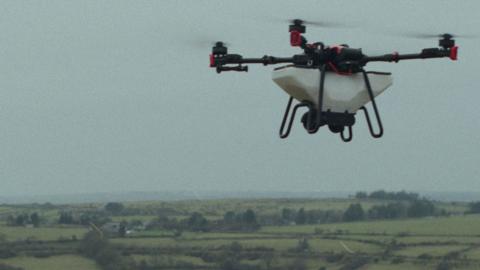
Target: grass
x=444 y=226
x=434 y=236
x=278 y=244
x=434 y=250
x=51 y=233
x=474 y=253
x=152 y=233
x=403 y=266
x=226 y=235
x=468 y=240
x=326 y=245
x=179 y=258
x=131 y=218
x=217 y=208
x=145 y=242
x=70 y=262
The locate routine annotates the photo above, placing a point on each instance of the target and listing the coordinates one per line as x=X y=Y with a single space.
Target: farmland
x=239 y=234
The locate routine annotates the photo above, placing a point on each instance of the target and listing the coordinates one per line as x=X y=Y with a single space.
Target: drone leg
x=370 y=127
x=284 y=134
x=320 y=96
x=375 y=109
x=350 y=135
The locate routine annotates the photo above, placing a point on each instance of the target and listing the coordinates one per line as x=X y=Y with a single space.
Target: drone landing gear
x=309 y=125
x=315 y=118
x=375 y=109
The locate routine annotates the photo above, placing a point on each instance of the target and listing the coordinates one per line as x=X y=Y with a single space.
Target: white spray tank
x=342 y=93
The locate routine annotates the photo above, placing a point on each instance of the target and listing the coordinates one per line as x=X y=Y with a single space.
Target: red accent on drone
x=395 y=57
x=212 y=60
x=295 y=38
x=454 y=53
x=334 y=68
x=338 y=48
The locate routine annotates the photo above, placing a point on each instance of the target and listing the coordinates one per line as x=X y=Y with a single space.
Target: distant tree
x=401 y=195
x=288 y=214
x=95 y=246
x=11 y=220
x=229 y=217
x=197 y=222
x=388 y=211
x=249 y=217
x=92 y=243
x=396 y=210
x=114 y=208
x=314 y=216
x=333 y=216
x=361 y=195
x=22 y=220
x=421 y=208
x=354 y=213
x=379 y=194
x=109 y=258
x=301 y=218
x=66 y=218
x=35 y=219
x=474 y=207
x=122 y=229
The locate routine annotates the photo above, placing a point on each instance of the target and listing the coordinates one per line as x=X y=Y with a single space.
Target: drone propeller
x=322 y=23
x=219 y=43
x=436 y=36
x=205 y=42
x=313 y=23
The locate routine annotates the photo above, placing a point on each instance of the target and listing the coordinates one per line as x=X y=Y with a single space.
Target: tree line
x=232 y=221
x=356 y=212
x=393 y=210
x=385 y=195
x=24 y=219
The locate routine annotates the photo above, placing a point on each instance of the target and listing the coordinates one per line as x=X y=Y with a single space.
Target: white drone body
x=330 y=81
x=342 y=93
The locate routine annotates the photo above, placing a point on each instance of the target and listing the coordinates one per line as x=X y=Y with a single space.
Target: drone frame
x=339 y=59
x=322 y=115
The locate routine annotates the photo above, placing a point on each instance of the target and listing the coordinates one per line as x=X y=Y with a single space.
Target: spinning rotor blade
x=204 y=43
x=323 y=23
x=314 y=23
x=420 y=35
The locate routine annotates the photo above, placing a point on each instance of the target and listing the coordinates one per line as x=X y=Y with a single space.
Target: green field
x=444 y=226
x=70 y=262
x=55 y=233
x=408 y=243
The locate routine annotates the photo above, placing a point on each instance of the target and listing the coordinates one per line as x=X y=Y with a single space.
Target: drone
x=330 y=81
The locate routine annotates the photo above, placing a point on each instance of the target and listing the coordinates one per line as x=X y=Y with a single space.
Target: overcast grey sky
x=115 y=96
